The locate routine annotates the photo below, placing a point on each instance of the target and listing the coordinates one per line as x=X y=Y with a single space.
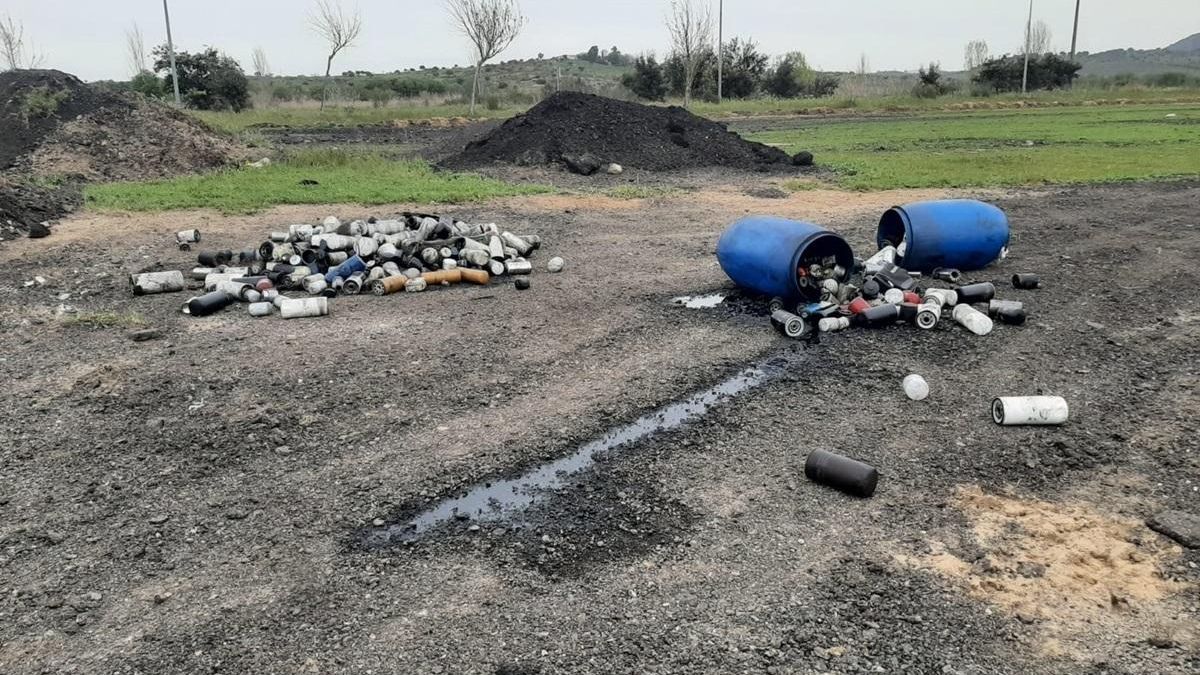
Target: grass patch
x=1003 y=148
x=895 y=104
x=343 y=116
x=41 y=102
x=343 y=178
x=105 y=320
x=641 y=192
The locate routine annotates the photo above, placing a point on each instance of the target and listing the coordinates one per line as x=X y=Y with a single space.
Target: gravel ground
x=196 y=502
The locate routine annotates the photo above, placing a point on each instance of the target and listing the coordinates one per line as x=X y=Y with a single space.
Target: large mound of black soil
x=35 y=103
x=52 y=125
x=568 y=125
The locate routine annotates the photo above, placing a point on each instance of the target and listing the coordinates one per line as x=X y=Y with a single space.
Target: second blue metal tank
x=763 y=254
x=963 y=234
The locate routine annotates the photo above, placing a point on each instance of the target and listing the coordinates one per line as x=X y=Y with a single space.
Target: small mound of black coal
x=584 y=132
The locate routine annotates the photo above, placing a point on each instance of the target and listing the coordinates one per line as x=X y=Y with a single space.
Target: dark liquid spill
x=503 y=500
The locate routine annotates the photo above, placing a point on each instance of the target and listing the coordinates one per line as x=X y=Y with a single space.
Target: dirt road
x=198 y=502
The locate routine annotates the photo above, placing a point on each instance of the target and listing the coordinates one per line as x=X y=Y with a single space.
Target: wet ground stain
x=507 y=502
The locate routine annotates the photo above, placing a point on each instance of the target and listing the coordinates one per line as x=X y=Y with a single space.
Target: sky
x=87 y=37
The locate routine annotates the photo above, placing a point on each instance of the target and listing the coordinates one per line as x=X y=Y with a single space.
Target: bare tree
x=864 y=66
x=12 y=46
x=690 y=25
x=262 y=68
x=339 y=30
x=1039 y=38
x=490 y=25
x=975 y=53
x=135 y=46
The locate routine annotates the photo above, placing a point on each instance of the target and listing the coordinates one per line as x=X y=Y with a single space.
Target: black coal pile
x=585 y=132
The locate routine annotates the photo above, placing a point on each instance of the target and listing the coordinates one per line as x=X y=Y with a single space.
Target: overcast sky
x=86 y=37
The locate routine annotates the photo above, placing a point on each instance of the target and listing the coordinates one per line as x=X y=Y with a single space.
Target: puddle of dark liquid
x=700 y=301
x=504 y=500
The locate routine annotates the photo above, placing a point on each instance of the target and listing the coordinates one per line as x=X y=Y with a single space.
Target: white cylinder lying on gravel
x=833 y=324
x=1020 y=410
x=157 y=282
x=261 y=309
x=972 y=319
x=304 y=308
x=188 y=236
x=555 y=265
x=942 y=296
x=416 y=285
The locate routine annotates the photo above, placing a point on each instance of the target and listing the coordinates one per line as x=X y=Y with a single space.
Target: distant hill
x=1180 y=57
x=1190 y=43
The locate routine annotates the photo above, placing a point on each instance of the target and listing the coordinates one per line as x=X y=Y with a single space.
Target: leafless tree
x=262 y=68
x=490 y=25
x=864 y=66
x=135 y=46
x=340 y=30
x=1038 y=39
x=690 y=25
x=975 y=53
x=12 y=46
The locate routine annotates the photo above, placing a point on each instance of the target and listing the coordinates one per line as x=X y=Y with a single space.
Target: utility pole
x=171 y=50
x=720 y=47
x=1028 y=35
x=1075 y=30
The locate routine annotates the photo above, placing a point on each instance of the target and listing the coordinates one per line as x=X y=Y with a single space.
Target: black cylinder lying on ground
x=209 y=303
x=842 y=473
x=1026 y=281
x=1015 y=317
x=880 y=315
x=214 y=258
x=975 y=293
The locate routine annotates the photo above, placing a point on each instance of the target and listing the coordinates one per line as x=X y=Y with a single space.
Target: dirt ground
x=196 y=503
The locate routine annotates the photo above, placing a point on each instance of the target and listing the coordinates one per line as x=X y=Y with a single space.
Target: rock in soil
x=1178 y=525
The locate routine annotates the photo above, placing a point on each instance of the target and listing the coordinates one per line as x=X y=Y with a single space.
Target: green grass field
x=343 y=177
x=342 y=116
x=1003 y=148
x=360 y=115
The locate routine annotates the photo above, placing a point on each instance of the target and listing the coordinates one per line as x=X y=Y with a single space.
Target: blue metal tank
x=763 y=253
x=960 y=233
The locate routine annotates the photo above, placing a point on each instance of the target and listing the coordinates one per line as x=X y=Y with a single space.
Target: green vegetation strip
x=1003 y=148
x=313 y=117
x=342 y=178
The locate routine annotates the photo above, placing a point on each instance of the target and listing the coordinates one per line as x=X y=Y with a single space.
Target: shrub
x=1048 y=71
x=41 y=102
x=146 y=84
x=647 y=79
x=208 y=80
x=742 y=68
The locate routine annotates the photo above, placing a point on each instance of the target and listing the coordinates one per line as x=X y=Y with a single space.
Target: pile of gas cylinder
x=879 y=293
x=411 y=253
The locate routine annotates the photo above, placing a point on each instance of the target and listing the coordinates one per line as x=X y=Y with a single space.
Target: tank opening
x=891 y=228
x=825 y=257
